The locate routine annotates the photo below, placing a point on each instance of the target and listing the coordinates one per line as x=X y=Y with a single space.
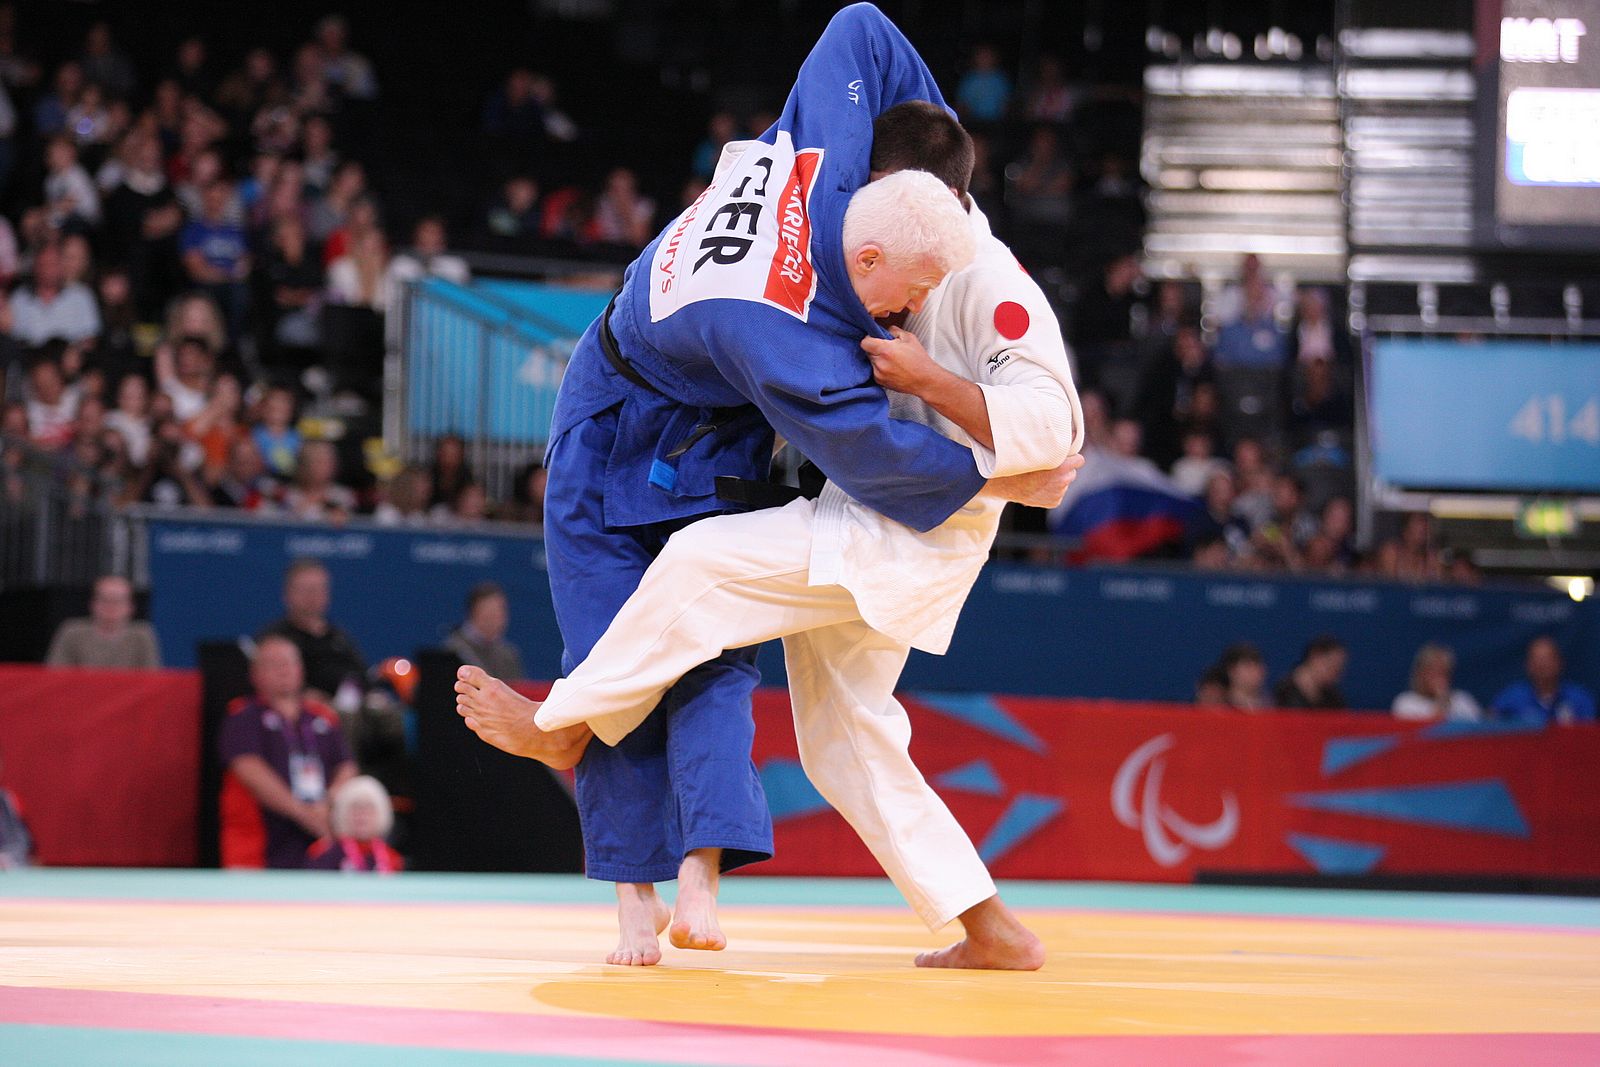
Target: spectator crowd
x=1544 y=696
x=204 y=262
x=192 y=258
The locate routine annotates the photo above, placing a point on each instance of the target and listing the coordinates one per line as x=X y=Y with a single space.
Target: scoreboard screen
x=1546 y=113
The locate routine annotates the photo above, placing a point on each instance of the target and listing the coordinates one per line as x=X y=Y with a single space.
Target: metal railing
x=52 y=536
x=470 y=363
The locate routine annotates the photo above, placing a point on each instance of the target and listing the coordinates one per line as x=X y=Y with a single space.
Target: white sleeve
x=1019 y=360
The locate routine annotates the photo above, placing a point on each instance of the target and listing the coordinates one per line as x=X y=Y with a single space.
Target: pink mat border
x=608 y=1037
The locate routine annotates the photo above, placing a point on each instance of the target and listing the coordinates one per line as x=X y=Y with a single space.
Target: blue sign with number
x=1512 y=416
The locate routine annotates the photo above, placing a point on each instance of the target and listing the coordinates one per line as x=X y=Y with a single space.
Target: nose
x=916 y=302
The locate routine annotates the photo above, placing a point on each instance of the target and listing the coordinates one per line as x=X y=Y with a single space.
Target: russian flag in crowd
x=1122 y=507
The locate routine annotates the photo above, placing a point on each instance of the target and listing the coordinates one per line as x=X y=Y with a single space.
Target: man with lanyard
x=286 y=751
x=742 y=318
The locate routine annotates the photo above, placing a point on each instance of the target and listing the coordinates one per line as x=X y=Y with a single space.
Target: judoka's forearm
x=962 y=403
x=1035 y=489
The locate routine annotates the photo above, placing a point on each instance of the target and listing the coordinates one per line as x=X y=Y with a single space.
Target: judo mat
x=175 y=968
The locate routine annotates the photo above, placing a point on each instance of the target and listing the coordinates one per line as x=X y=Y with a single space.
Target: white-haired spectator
x=362 y=817
x=1431 y=695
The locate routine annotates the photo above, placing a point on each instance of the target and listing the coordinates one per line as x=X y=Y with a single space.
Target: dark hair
x=1214 y=675
x=1321 y=645
x=481 y=592
x=918 y=135
x=1240 y=652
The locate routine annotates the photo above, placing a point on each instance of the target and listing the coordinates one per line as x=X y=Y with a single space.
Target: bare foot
x=995 y=941
x=504 y=718
x=641 y=916
x=694 y=913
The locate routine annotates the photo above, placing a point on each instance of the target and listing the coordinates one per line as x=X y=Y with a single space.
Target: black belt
x=614 y=356
x=745 y=492
x=759 y=495
x=754 y=495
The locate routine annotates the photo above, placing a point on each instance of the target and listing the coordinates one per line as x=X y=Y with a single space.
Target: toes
x=472 y=676
x=472 y=724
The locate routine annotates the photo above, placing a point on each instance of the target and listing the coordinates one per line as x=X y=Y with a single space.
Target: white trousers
x=739 y=580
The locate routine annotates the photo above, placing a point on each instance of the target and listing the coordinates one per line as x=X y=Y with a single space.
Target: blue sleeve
x=859 y=68
x=816 y=390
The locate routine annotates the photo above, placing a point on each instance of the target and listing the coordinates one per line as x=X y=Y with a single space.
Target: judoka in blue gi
x=744 y=317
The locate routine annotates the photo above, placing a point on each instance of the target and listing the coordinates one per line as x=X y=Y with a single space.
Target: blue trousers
x=685 y=778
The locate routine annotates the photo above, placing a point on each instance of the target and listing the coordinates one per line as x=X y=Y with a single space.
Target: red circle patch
x=1011 y=319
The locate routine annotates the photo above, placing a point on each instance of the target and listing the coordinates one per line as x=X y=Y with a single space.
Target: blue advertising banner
x=394 y=590
x=1514 y=416
x=1122 y=633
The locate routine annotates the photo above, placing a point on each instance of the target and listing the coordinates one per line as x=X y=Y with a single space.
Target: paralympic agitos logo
x=1168 y=837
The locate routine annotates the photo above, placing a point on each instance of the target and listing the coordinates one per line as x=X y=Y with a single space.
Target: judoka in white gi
x=851 y=592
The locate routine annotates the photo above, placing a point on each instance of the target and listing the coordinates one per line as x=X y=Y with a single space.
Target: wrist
x=939 y=386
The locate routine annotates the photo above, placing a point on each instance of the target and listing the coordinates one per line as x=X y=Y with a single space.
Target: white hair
x=362 y=787
x=913 y=217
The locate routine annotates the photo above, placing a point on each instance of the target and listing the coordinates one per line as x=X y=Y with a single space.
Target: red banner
x=105 y=763
x=1104 y=790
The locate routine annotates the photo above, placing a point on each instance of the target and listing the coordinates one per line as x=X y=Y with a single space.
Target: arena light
x=1578 y=587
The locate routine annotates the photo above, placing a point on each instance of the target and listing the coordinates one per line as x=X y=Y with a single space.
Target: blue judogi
x=740 y=319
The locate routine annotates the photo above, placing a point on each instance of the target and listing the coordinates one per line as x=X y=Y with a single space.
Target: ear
x=868 y=256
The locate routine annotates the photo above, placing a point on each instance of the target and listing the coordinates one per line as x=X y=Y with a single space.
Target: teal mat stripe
x=428 y=888
x=24 y=1045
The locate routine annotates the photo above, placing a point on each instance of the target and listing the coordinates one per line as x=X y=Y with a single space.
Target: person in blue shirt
x=741 y=320
x=1544 y=697
x=275 y=435
x=984 y=92
x=216 y=253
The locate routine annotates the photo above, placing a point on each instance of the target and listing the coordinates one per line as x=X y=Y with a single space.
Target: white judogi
x=851 y=592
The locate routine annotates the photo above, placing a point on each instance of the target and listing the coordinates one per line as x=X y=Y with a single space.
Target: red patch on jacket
x=1011 y=319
